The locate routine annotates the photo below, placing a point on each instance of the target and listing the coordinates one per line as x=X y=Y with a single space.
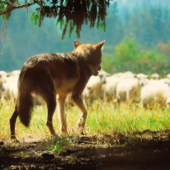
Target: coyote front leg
x=61 y=112
x=79 y=102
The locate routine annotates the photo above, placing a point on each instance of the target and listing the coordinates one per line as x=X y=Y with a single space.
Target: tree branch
x=11 y=8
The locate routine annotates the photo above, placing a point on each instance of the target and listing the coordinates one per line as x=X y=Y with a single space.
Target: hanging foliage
x=71 y=14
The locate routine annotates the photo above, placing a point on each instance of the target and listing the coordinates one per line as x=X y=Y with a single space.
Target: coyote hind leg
x=51 y=105
x=12 y=125
x=49 y=95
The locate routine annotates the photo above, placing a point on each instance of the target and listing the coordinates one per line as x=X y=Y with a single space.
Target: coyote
x=48 y=75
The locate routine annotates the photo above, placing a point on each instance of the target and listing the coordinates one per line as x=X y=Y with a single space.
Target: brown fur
x=50 y=74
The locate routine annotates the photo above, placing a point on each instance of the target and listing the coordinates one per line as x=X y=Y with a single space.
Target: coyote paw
x=82 y=133
x=64 y=130
x=14 y=139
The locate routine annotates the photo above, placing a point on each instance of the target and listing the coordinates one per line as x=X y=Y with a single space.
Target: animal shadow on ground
x=140 y=150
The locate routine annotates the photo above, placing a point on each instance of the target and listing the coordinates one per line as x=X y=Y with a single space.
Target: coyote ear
x=76 y=44
x=100 y=45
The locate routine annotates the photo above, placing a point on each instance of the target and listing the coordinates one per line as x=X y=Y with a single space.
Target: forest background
x=137 y=37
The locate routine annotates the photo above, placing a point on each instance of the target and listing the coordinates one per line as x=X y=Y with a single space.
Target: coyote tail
x=24 y=106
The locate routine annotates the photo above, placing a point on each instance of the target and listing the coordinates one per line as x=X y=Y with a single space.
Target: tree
x=69 y=13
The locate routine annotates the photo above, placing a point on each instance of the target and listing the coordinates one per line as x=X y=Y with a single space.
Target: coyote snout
x=58 y=74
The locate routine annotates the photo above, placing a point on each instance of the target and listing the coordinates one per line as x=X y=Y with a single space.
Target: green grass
x=102 y=119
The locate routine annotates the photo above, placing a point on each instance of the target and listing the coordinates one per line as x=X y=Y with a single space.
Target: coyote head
x=91 y=53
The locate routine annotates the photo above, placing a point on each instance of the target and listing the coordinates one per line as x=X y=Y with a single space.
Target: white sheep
x=10 y=85
x=15 y=73
x=111 y=83
x=168 y=76
x=155 y=76
x=11 y=90
x=3 y=75
x=110 y=88
x=129 y=89
x=155 y=94
x=2 y=89
x=124 y=75
x=94 y=87
x=3 y=79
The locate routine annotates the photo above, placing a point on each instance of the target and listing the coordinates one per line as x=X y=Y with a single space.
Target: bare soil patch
x=144 y=150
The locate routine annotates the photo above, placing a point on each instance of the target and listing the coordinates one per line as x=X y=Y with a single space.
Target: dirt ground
x=141 y=150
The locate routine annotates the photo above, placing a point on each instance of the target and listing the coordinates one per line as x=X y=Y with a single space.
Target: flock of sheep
x=151 y=91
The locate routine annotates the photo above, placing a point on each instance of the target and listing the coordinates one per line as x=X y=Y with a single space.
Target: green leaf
x=71 y=28
x=37 y=17
x=104 y=27
x=10 y=3
x=31 y=18
x=62 y=23
x=34 y=18
x=4 y=17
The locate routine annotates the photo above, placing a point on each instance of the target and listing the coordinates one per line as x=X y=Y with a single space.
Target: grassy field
x=102 y=119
